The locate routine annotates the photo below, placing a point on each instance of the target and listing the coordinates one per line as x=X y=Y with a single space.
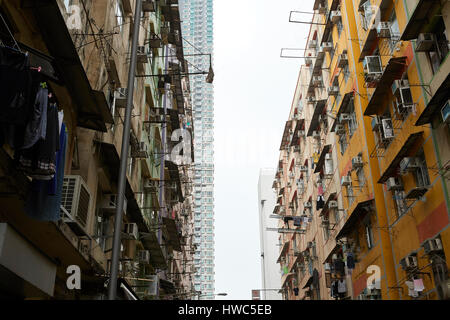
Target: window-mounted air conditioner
x=404 y=99
x=333 y=90
x=296 y=148
x=120 y=97
x=340 y=129
x=142 y=54
x=298 y=162
x=433 y=245
x=108 y=204
x=445 y=112
x=357 y=162
x=342 y=60
x=409 y=164
x=335 y=16
x=317 y=80
x=308 y=61
x=75 y=203
x=332 y=204
x=327 y=46
x=388 y=128
x=301 y=133
x=384 y=29
x=409 y=262
x=316 y=134
x=291 y=174
x=311 y=100
x=310 y=244
x=373 y=68
x=312 y=44
x=131 y=230
x=425 y=42
x=346 y=181
x=394 y=183
x=328 y=156
x=307 y=204
x=300 y=183
x=303 y=168
x=148 y=6
x=344 y=117
x=397 y=84
x=144 y=256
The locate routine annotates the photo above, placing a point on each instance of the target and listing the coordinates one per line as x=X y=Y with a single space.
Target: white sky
x=254 y=89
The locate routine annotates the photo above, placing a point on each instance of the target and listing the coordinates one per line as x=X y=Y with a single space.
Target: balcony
x=318 y=110
x=420 y=18
x=393 y=71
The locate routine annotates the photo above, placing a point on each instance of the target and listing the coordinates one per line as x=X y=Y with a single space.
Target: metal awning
x=174 y=236
x=343 y=105
x=368 y=43
x=357 y=214
x=300 y=125
x=285 y=278
x=285 y=140
x=416 y=193
x=434 y=106
x=372 y=34
x=167 y=286
x=92 y=108
x=337 y=247
x=281 y=191
x=175 y=176
x=283 y=251
x=403 y=152
x=321 y=161
x=393 y=71
x=318 y=110
x=331 y=197
x=150 y=243
x=423 y=13
x=318 y=64
x=328 y=28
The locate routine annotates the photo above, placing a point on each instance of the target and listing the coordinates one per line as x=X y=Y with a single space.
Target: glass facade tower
x=197 y=30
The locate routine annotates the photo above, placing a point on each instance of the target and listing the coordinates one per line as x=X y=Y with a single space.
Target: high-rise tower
x=197 y=30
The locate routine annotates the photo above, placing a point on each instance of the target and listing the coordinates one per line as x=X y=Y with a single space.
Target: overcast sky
x=254 y=88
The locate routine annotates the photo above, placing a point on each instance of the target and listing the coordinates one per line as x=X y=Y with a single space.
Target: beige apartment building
x=79 y=51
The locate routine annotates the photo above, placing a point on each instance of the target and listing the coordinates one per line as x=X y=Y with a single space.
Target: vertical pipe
x=112 y=290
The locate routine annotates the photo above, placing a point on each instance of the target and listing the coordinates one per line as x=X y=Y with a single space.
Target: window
x=421 y=174
x=119 y=14
x=369 y=236
x=441 y=48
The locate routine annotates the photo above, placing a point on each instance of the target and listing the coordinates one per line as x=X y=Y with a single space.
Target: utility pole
x=124 y=156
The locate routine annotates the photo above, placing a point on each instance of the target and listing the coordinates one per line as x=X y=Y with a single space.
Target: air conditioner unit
x=346 y=181
x=357 y=162
x=301 y=133
x=397 y=84
x=335 y=16
x=344 y=117
x=120 y=97
x=155 y=41
x=327 y=46
x=131 y=229
x=151 y=185
x=376 y=123
x=394 y=183
x=291 y=174
x=340 y=129
x=144 y=256
x=384 y=29
x=433 y=245
x=312 y=44
x=317 y=80
x=332 y=204
x=307 y=204
x=309 y=244
x=304 y=168
x=148 y=6
x=445 y=112
x=142 y=56
x=75 y=203
x=308 y=61
x=409 y=164
x=108 y=204
x=333 y=90
x=342 y=60
x=311 y=100
x=388 y=128
x=316 y=134
x=425 y=42
x=296 y=148
x=410 y=262
x=328 y=156
x=404 y=99
x=372 y=67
